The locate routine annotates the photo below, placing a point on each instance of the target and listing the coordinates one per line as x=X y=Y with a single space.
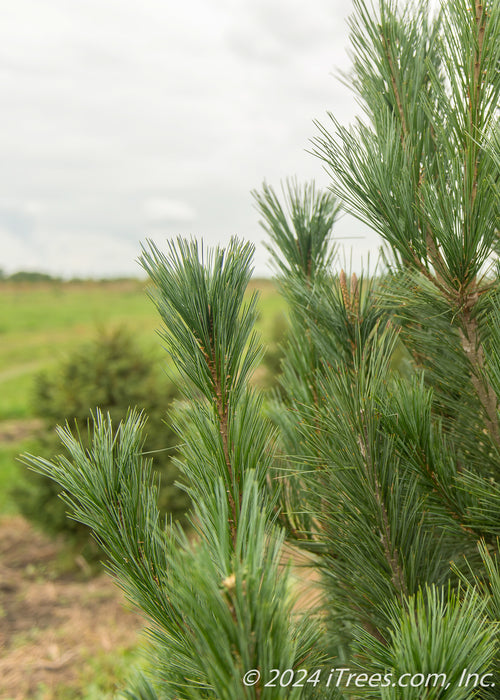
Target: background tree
x=112 y=372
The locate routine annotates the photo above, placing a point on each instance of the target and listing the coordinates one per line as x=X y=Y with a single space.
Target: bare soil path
x=15 y=430
x=52 y=625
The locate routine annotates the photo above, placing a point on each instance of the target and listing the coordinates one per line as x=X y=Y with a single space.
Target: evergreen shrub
x=112 y=372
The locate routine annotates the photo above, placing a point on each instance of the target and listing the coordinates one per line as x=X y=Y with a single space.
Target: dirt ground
x=13 y=431
x=52 y=625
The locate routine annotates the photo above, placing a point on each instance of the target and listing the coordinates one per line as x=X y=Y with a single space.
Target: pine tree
x=222 y=605
x=389 y=477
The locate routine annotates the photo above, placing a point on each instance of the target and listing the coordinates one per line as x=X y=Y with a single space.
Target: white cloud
x=18 y=254
x=162 y=209
x=129 y=116
x=89 y=253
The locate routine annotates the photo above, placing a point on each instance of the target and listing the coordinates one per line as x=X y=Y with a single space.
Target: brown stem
x=390 y=553
x=472 y=346
x=399 y=103
x=223 y=418
x=222 y=412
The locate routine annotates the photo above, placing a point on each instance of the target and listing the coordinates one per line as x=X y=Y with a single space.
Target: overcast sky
x=130 y=119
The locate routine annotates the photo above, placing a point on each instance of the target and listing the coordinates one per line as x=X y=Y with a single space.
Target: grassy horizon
x=41 y=322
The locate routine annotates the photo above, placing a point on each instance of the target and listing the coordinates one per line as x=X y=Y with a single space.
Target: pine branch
x=390 y=552
x=222 y=407
x=300 y=230
x=223 y=605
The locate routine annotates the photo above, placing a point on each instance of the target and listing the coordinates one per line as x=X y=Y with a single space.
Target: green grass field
x=41 y=323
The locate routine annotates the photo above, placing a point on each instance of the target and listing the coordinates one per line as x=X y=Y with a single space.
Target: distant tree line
x=28 y=276
x=35 y=276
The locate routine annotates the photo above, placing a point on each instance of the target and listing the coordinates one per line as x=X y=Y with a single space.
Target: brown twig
x=399 y=103
x=474 y=351
x=390 y=552
x=221 y=406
